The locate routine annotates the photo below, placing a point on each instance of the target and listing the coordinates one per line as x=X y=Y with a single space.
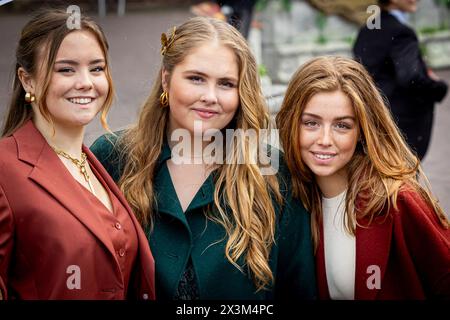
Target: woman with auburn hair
x=218 y=229
x=66 y=231
x=378 y=233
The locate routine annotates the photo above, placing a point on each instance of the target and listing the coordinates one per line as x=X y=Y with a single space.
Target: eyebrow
x=75 y=63
x=205 y=75
x=319 y=117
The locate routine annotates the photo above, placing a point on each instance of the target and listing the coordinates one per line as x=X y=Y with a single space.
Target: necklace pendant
x=86 y=176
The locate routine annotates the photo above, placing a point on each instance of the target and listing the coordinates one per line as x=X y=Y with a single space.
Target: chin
x=323 y=174
x=82 y=121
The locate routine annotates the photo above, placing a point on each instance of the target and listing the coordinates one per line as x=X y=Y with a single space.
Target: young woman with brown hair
x=378 y=232
x=66 y=231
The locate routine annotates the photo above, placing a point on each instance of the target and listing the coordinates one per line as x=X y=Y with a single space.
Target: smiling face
x=78 y=87
x=328 y=137
x=203 y=87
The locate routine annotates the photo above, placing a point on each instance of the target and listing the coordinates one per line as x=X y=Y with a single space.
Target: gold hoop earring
x=164 y=99
x=30 y=97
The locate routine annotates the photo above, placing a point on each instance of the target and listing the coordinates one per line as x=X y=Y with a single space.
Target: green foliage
x=321 y=39
x=262 y=4
x=431 y=30
x=443 y=2
x=262 y=70
x=423 y=50
x=321 y=22
x=349 y=39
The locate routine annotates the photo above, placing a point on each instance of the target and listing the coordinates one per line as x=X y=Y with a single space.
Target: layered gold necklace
x=81 y=164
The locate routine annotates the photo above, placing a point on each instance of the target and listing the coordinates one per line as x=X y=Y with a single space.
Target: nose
x=84 y=80
x=325 y=137
x=209 y=96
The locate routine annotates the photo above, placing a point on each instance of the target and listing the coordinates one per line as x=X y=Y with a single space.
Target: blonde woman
x=66 y=230
x=221 y=229
x=378 y=233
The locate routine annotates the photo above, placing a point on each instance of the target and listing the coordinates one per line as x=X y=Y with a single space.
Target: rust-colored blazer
x=411 y=250
x=51 y=245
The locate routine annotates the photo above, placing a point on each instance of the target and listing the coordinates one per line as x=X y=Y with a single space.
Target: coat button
x=118 y=226
x=122 y=252
x=145 y=296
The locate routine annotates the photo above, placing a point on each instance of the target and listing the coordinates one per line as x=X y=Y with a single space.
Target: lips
x=324 y=156
x=205 y=113
x=81 y=100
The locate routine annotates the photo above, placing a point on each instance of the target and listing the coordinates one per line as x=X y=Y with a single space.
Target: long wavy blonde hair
x=249 y=216
x=382 y=164
x=37 y=48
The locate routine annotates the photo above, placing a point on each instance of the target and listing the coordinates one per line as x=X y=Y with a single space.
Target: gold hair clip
x=166 y=43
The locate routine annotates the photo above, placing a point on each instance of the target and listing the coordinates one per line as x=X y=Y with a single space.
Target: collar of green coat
x=166 y=197
x=166 y=153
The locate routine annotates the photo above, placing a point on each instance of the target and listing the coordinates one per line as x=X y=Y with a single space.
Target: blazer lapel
x=148 y=270
x=372 y=252
x=50 y=174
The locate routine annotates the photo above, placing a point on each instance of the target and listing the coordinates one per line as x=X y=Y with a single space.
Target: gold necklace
x=81 y=164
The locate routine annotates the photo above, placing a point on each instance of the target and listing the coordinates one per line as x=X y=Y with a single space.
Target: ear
x=165 y=76
x=27 y=80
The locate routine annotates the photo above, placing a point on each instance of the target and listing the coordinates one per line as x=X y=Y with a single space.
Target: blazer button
x=122 y=252
x=145 y=296
x=118 y=226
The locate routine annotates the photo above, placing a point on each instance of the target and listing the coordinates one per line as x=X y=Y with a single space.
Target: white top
x=340 y=250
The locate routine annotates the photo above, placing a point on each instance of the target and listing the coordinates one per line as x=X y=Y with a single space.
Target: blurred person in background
x=392 y=56
x=238 y=13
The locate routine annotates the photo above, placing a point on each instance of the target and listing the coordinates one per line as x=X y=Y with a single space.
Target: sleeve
x=296 y=279
x=6 y=241
x=105 y=150
x=410 y=70
x=428 y=243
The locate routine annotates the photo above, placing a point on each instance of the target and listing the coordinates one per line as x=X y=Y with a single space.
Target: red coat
x=48 y=234
x=411 y=249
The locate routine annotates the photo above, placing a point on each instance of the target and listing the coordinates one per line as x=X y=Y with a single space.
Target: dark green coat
x=178 y=236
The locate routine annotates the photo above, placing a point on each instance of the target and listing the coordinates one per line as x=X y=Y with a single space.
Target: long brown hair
x=36 y=52
x=250 y=223
x=382 y=164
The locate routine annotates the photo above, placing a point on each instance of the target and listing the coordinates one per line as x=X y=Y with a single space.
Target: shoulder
x=8 y=154
x=389 y=26
x=106 y=142
x=109 y=151
x=395 y=28
x=107 y=145
x=418 y=232
x=409 y=198
x=414 y=212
